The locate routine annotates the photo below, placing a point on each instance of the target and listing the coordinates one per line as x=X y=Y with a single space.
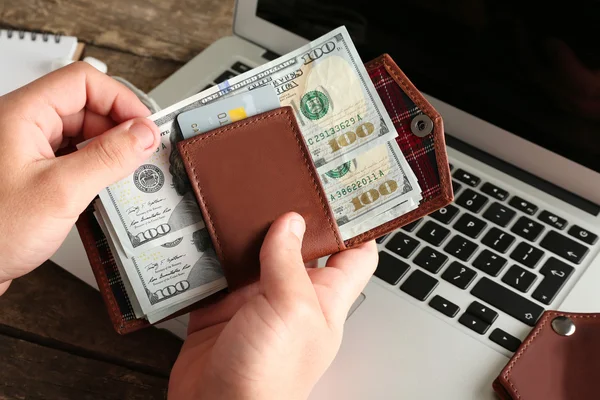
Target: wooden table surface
x=56 y=340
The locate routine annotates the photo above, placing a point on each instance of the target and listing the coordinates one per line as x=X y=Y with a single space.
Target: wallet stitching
x=529 y=342
x=298 y=138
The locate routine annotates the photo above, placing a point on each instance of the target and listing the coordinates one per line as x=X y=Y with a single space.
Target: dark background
x=530 y=67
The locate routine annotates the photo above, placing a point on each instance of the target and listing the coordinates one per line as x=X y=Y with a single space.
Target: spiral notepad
x=27 y=56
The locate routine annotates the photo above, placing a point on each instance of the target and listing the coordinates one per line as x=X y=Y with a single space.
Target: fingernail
x=143 y=134
x=297 y=227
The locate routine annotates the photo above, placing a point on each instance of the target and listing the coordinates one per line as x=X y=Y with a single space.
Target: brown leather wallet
x=559 y=360
x=219 y=165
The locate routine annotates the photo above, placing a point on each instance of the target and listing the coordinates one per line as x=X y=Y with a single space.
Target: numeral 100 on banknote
x=385 y=189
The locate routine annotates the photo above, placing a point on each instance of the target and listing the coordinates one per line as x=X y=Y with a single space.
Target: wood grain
x=31 y=371
x=170 y=29
x=144 y=72
x=51 y=306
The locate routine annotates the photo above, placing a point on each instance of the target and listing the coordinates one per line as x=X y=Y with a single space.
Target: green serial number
x=356 y=185
x=334 y=129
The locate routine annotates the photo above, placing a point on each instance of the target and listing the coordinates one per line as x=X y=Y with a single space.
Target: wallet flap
x=559 y=360
x=420 y=137
x=247 y=174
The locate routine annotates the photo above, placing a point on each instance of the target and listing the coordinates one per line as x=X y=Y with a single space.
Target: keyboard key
x=431 y=260
x=527 y=228
x=411 y=227
x=459 y=275
x=207 y=87
x=583 y=235
x=419 y=285
x=527 y=255
x=508 y=301
x=381 y=239
x=433 y=233
x=471 y=200
x=460 y=248
x=556 y=273
x=240 y=67
x=224 y=76
x=494 y=191
x=564 y=247
x=445 y=214
x=450 y=166
x=482 y=312
x=470 y=225
x=489 y=263
x=552 y=220
x=456 y=186
x=498 y=240
x=466 y=177
x=444 y=306
x=402 y=245
x=505 y=340
x=390 y=269
x=519 y=278
x=474 y=323
x=499 y=214
x=523 y=205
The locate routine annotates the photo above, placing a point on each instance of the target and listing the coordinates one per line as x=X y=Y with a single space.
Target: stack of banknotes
x=152 y=220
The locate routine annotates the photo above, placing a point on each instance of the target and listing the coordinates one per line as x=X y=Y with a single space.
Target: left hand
x=42 y=195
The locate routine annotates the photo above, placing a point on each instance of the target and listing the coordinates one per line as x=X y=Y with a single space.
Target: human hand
x=275 y=338
x=42 y=195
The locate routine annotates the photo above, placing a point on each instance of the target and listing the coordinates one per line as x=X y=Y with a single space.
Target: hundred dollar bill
x=373 y=182
x=155 y=314
x=337 y=107
x=170 y=276
x=155 y=204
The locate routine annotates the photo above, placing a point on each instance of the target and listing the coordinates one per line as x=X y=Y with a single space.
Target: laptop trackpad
x=394 y=350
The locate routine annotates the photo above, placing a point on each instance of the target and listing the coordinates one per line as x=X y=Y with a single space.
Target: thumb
x=283 y=273
x=109 y=157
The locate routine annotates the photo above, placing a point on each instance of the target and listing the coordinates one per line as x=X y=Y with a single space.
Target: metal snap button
x=421 y=125
x=563 y=326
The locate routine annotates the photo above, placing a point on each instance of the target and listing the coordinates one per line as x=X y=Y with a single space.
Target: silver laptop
x=455 y=293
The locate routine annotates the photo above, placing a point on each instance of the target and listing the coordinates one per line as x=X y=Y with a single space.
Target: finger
x=283 y=274
x=86 y=123
x=70 y=89
x=108 y=158
x=346 y=274
x=223 y=310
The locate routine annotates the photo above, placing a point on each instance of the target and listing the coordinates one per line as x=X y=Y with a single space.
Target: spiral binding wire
x=45 y=36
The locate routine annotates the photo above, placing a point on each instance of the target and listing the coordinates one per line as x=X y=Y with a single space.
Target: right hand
x=275 y=338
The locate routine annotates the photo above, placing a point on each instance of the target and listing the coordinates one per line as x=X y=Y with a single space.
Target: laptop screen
x=529 y=67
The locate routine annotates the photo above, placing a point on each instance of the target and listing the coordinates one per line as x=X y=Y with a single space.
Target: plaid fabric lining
x=419 y=152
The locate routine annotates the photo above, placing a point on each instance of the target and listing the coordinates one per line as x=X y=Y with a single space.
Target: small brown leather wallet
x=559 y=360
x=246 y=174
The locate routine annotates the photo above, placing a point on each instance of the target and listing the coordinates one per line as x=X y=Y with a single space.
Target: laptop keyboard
x=235 y=69
x=507 y=253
